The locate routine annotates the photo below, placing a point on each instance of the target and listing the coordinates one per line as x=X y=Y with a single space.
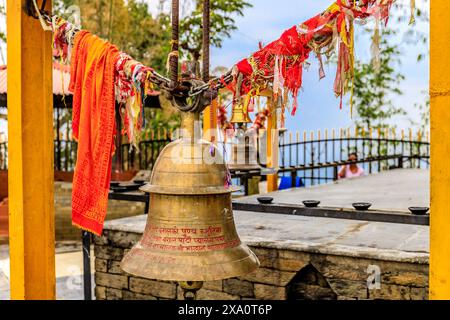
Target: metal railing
x=65 y=155
x=316 y=159
x=145 y=159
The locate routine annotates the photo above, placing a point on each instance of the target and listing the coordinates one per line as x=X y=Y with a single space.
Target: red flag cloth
x=93 y=123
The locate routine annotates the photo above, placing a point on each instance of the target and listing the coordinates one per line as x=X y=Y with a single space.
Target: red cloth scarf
x=93 y=124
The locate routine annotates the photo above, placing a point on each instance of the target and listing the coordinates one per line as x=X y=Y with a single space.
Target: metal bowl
x=118 y=189
x=419 y=211
x=114 y=183
x=362 y=206
x=265 y=200
x=131 y=186
x=311 y=203
x=140 y=182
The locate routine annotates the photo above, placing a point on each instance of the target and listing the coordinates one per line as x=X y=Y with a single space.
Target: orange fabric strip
x=93 y=124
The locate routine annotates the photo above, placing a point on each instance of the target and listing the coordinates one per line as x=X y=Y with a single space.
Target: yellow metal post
x=440 y=146
x=272 y=141
x=210 y=122
x=30 y=154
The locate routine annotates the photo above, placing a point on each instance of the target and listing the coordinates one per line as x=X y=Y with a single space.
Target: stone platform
x=393 y=190
x=301 y=258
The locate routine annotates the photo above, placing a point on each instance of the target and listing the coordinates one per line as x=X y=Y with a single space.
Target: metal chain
x=215 y=83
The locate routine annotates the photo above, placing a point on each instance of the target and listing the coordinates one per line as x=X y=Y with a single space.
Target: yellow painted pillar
x=272 y=145
x=30 y=155
x=210 y=122
x=440 y=150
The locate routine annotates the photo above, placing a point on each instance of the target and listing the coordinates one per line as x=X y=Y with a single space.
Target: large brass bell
x=190 y=233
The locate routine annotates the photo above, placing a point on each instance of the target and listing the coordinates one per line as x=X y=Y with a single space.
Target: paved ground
x=69 y=270
x=394 y=190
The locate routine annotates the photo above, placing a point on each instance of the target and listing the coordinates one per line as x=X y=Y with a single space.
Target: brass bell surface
x=190 y=233
x=240 y=114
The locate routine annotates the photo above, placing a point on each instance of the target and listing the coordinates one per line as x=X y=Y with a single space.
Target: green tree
x=132 y=28
x=128 y=24
x=2 y=33
x=223 y=13
x=374 y=87
x=424 y=111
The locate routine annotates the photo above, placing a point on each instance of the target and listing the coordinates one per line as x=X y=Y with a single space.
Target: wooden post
x=30 y=131
x=440 y=137
x=272 y=145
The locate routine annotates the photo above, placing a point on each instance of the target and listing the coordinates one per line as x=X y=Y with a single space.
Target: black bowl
x=265 y=200
x=140 y=182
x=311 y=203
x=131 y=186
x=419 y=211
x=114 y=183
x=362 y=206
x=118 y=189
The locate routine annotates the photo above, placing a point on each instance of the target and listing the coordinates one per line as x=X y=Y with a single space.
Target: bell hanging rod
x=174 y=52
x=206 y=39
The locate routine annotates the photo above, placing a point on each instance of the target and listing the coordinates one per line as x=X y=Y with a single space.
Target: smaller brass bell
x=243 y=152
x=240 y=114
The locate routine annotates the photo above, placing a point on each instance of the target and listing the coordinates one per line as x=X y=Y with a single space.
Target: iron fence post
x=87 y=286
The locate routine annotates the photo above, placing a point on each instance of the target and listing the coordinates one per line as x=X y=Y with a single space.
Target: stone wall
x=283 y=274
x=63 y=211
x=4 y=231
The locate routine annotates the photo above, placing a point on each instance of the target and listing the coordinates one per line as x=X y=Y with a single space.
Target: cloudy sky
x=318 y=108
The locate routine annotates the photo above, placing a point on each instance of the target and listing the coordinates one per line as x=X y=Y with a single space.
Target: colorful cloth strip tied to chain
x=279 y=65
x=131 y=93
